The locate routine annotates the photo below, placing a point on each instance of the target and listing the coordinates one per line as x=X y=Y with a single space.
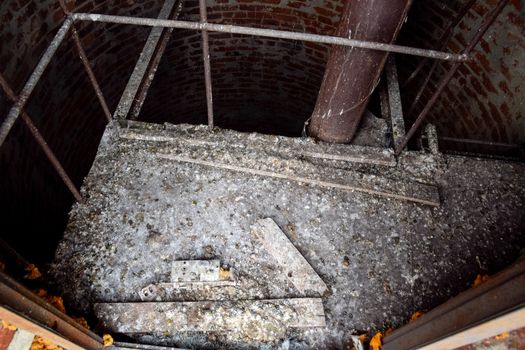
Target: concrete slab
x=381 y=258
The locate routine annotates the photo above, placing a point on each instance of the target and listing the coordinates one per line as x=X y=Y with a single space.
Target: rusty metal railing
x=21 y=100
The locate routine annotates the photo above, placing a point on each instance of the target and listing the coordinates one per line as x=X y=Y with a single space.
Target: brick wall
x=261 y=84
x=485 y=100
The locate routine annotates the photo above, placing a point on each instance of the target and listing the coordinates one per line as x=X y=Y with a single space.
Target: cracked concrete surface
x=381 y=258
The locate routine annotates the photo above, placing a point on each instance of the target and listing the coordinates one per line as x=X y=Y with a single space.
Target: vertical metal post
x=41 y=142
x=450 y=74
x=206 y=57
x=143 y=62
x=87 y=65
x=28 y=88
x=394 y=101
x=152 y=68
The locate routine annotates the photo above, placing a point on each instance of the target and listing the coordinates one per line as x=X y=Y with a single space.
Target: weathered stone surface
x=381 y=259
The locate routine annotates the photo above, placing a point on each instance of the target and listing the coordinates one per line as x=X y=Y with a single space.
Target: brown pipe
x=352 y=74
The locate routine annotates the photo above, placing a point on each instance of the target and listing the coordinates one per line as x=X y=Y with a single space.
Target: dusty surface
x=381 y=258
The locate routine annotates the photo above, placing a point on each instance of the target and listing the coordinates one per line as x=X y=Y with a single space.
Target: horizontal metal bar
x=14 y=113
x=272 y=33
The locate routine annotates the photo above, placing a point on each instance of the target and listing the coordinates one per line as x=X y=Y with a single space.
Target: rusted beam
x=352 y=74
x=394 y=101
x=137 y=76
x=206 y=59
x=87 y=65
x=450 y=74
x=35 y=76
x=41 y=141
x=152 y=68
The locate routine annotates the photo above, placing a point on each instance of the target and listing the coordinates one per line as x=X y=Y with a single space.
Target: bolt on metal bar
x=41 y=142
x=14 y=113
x=443 y=39
x=137 y=76
x=152 y=68
x=87 y=65
x=271 y=33
x=450 y=74
x=206 y=59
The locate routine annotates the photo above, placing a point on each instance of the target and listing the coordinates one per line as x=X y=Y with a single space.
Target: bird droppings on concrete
x=381 y=258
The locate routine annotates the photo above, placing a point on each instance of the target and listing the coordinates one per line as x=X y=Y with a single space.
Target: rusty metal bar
x=41 y=141
x=15 y=111
x=87 y=65
x=271 y=33
x=20 y=299
x=450 y=74
x=394 y=101
x=90 y=73
x=152 y=67
x=206 y=58
x=443 y=39
x=136 y=78
x=416 y=99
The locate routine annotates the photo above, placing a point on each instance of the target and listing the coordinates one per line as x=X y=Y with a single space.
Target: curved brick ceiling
x=260 y=84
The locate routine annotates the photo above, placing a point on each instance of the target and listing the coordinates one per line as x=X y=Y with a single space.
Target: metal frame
x=449 y=75
x=150 y=66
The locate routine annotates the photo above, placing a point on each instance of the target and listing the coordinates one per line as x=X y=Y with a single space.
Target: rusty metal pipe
x=270 y=33
x=41 y=142
x=450 y=74
x=352 y=74
x=206 y=58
